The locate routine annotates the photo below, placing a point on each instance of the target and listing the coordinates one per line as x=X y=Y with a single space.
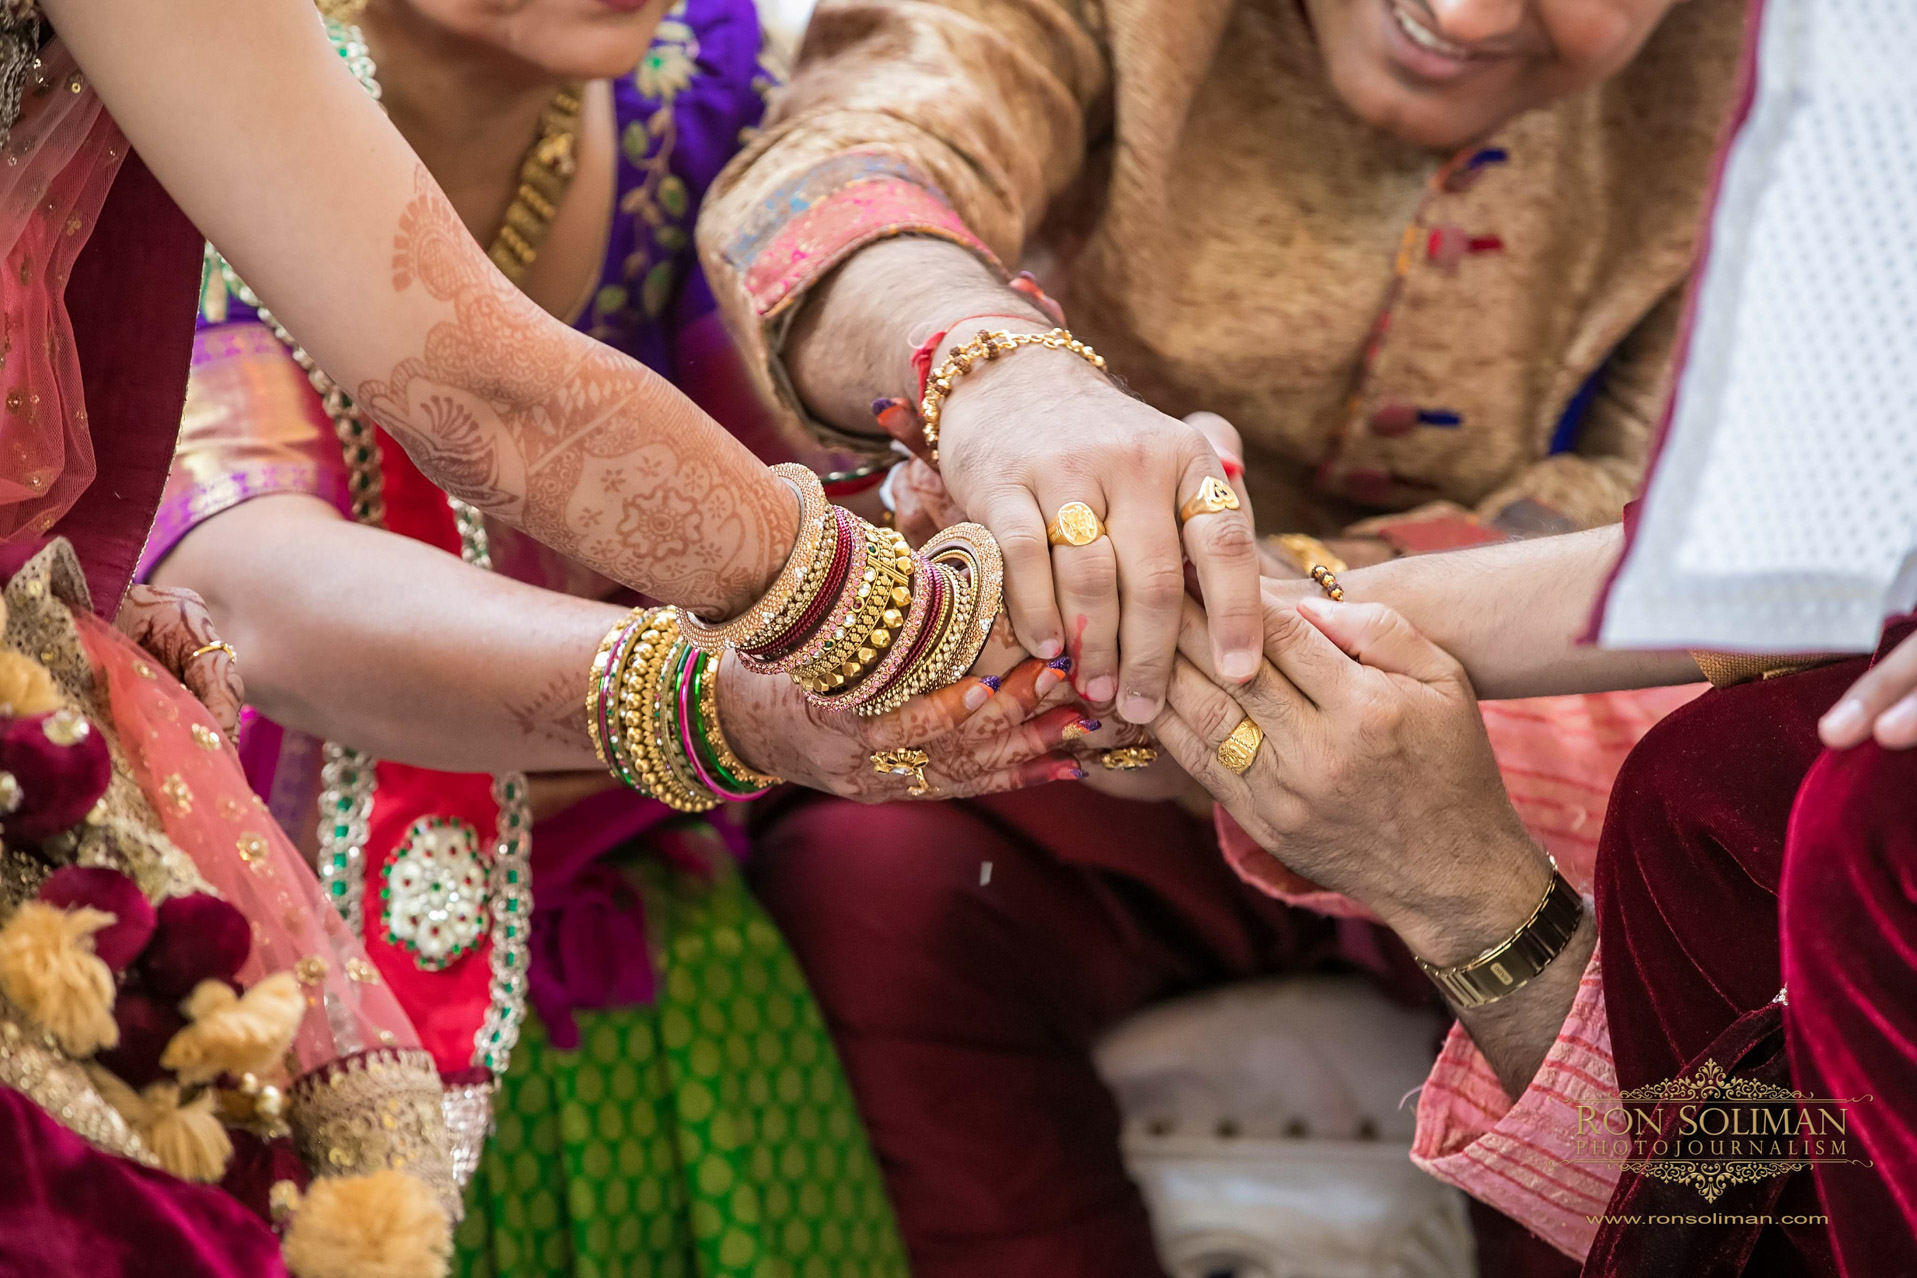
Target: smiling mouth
x=1427 y=39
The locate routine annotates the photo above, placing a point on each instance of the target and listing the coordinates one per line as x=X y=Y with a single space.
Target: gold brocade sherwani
x=1389 y=328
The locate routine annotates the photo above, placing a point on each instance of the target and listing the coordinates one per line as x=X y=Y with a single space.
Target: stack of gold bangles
x=858 y=618
x=652 y=708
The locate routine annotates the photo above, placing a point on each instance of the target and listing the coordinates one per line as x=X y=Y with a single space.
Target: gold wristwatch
x=1520 y=957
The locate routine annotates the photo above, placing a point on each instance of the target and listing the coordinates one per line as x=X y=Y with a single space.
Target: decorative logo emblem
x=1712 y=1130
x=435 y=893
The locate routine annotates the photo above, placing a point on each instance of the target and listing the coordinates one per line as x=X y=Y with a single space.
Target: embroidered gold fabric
x=32 y=1066
x=378 y=1109
x=1724 y=669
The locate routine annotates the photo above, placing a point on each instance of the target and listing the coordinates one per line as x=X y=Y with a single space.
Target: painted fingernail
x=1239 y=666
x=977 y=695
x=1099 y=691
x=994 y=682
x=1845 y=720
x=1139 y=708
x=1061 y=662
x=1068 y=772
x=1079 y=729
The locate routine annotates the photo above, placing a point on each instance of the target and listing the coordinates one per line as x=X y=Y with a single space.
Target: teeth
x=1425 y=38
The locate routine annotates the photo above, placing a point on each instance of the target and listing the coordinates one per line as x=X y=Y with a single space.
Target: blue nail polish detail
x=1078 y=774
x=1090 y=725
x=993 y=682
x=1061 y=662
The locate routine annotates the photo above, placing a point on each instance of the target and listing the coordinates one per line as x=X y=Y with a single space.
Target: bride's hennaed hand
x=981 y=735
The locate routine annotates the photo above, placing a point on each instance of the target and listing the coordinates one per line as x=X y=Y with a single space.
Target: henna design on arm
x=554 y=713
x=585 y=449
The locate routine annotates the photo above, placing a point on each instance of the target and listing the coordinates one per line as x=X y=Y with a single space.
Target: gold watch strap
x=1520 y=957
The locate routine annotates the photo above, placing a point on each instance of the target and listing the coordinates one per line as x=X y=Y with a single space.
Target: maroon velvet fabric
x=1751 y=1047
x=67 y=1210
x=132 y=297
x=1850 y=962
x=965 y=1013
x=1688 y=874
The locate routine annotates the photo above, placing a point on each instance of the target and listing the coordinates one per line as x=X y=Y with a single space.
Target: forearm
x=252 y=123
x=853 y=341
x=381 y=642
x=1514 y=615
x=1475 y=907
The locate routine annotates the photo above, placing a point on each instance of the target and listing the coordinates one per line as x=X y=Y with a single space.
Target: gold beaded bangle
x=645 y=747
x=715 y=735
x=885 y=585
x=602 y=682
x=988 y=346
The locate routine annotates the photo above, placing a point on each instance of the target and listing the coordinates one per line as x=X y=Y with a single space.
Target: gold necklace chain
x=545 y=175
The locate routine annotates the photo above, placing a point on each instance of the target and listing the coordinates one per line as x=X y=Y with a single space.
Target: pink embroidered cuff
x=821 y=217
x=1520 y=1157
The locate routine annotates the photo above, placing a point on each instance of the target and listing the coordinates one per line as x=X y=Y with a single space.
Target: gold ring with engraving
x=905 y=762
x=1128 y=758
x=218 y=645
x=1076 y=524
x=1213 y=496
x=1241 y=747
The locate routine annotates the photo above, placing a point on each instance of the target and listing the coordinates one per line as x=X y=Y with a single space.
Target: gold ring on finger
x=1128 y=758
x=1213 y=496
x=905 y=762
x=218 y=645
x=1241 y=747
x=1076 y=524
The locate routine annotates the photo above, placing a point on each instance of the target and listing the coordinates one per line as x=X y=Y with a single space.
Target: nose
x=1477 y=21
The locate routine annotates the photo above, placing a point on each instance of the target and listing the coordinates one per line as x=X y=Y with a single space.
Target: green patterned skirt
x=709 y=1135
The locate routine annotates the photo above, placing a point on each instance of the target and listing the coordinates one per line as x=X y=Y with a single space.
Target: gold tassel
x=386 y=1225
x=187 y=1139
x=49 y=970
x=236 y=1033
x=25 y=686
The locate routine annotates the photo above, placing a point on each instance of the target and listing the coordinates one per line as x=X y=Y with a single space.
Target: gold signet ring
x=1075 y=525
x=1241 y=747
x=1213 y=496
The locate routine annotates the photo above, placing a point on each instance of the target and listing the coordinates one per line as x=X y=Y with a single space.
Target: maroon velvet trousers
x=965 y=1013
x=1690 y=871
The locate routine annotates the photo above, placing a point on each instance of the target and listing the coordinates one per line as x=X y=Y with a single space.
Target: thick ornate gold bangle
x=984 y=348
x=1513 y=962
x=715 y=734
x=759 y=623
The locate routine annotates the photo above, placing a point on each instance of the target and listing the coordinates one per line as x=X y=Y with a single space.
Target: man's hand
x=1375 y=777
x=1040 y=429
x=1021 y=437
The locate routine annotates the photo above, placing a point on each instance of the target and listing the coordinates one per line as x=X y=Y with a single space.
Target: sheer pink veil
x=58 y=164
x=192 y=777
